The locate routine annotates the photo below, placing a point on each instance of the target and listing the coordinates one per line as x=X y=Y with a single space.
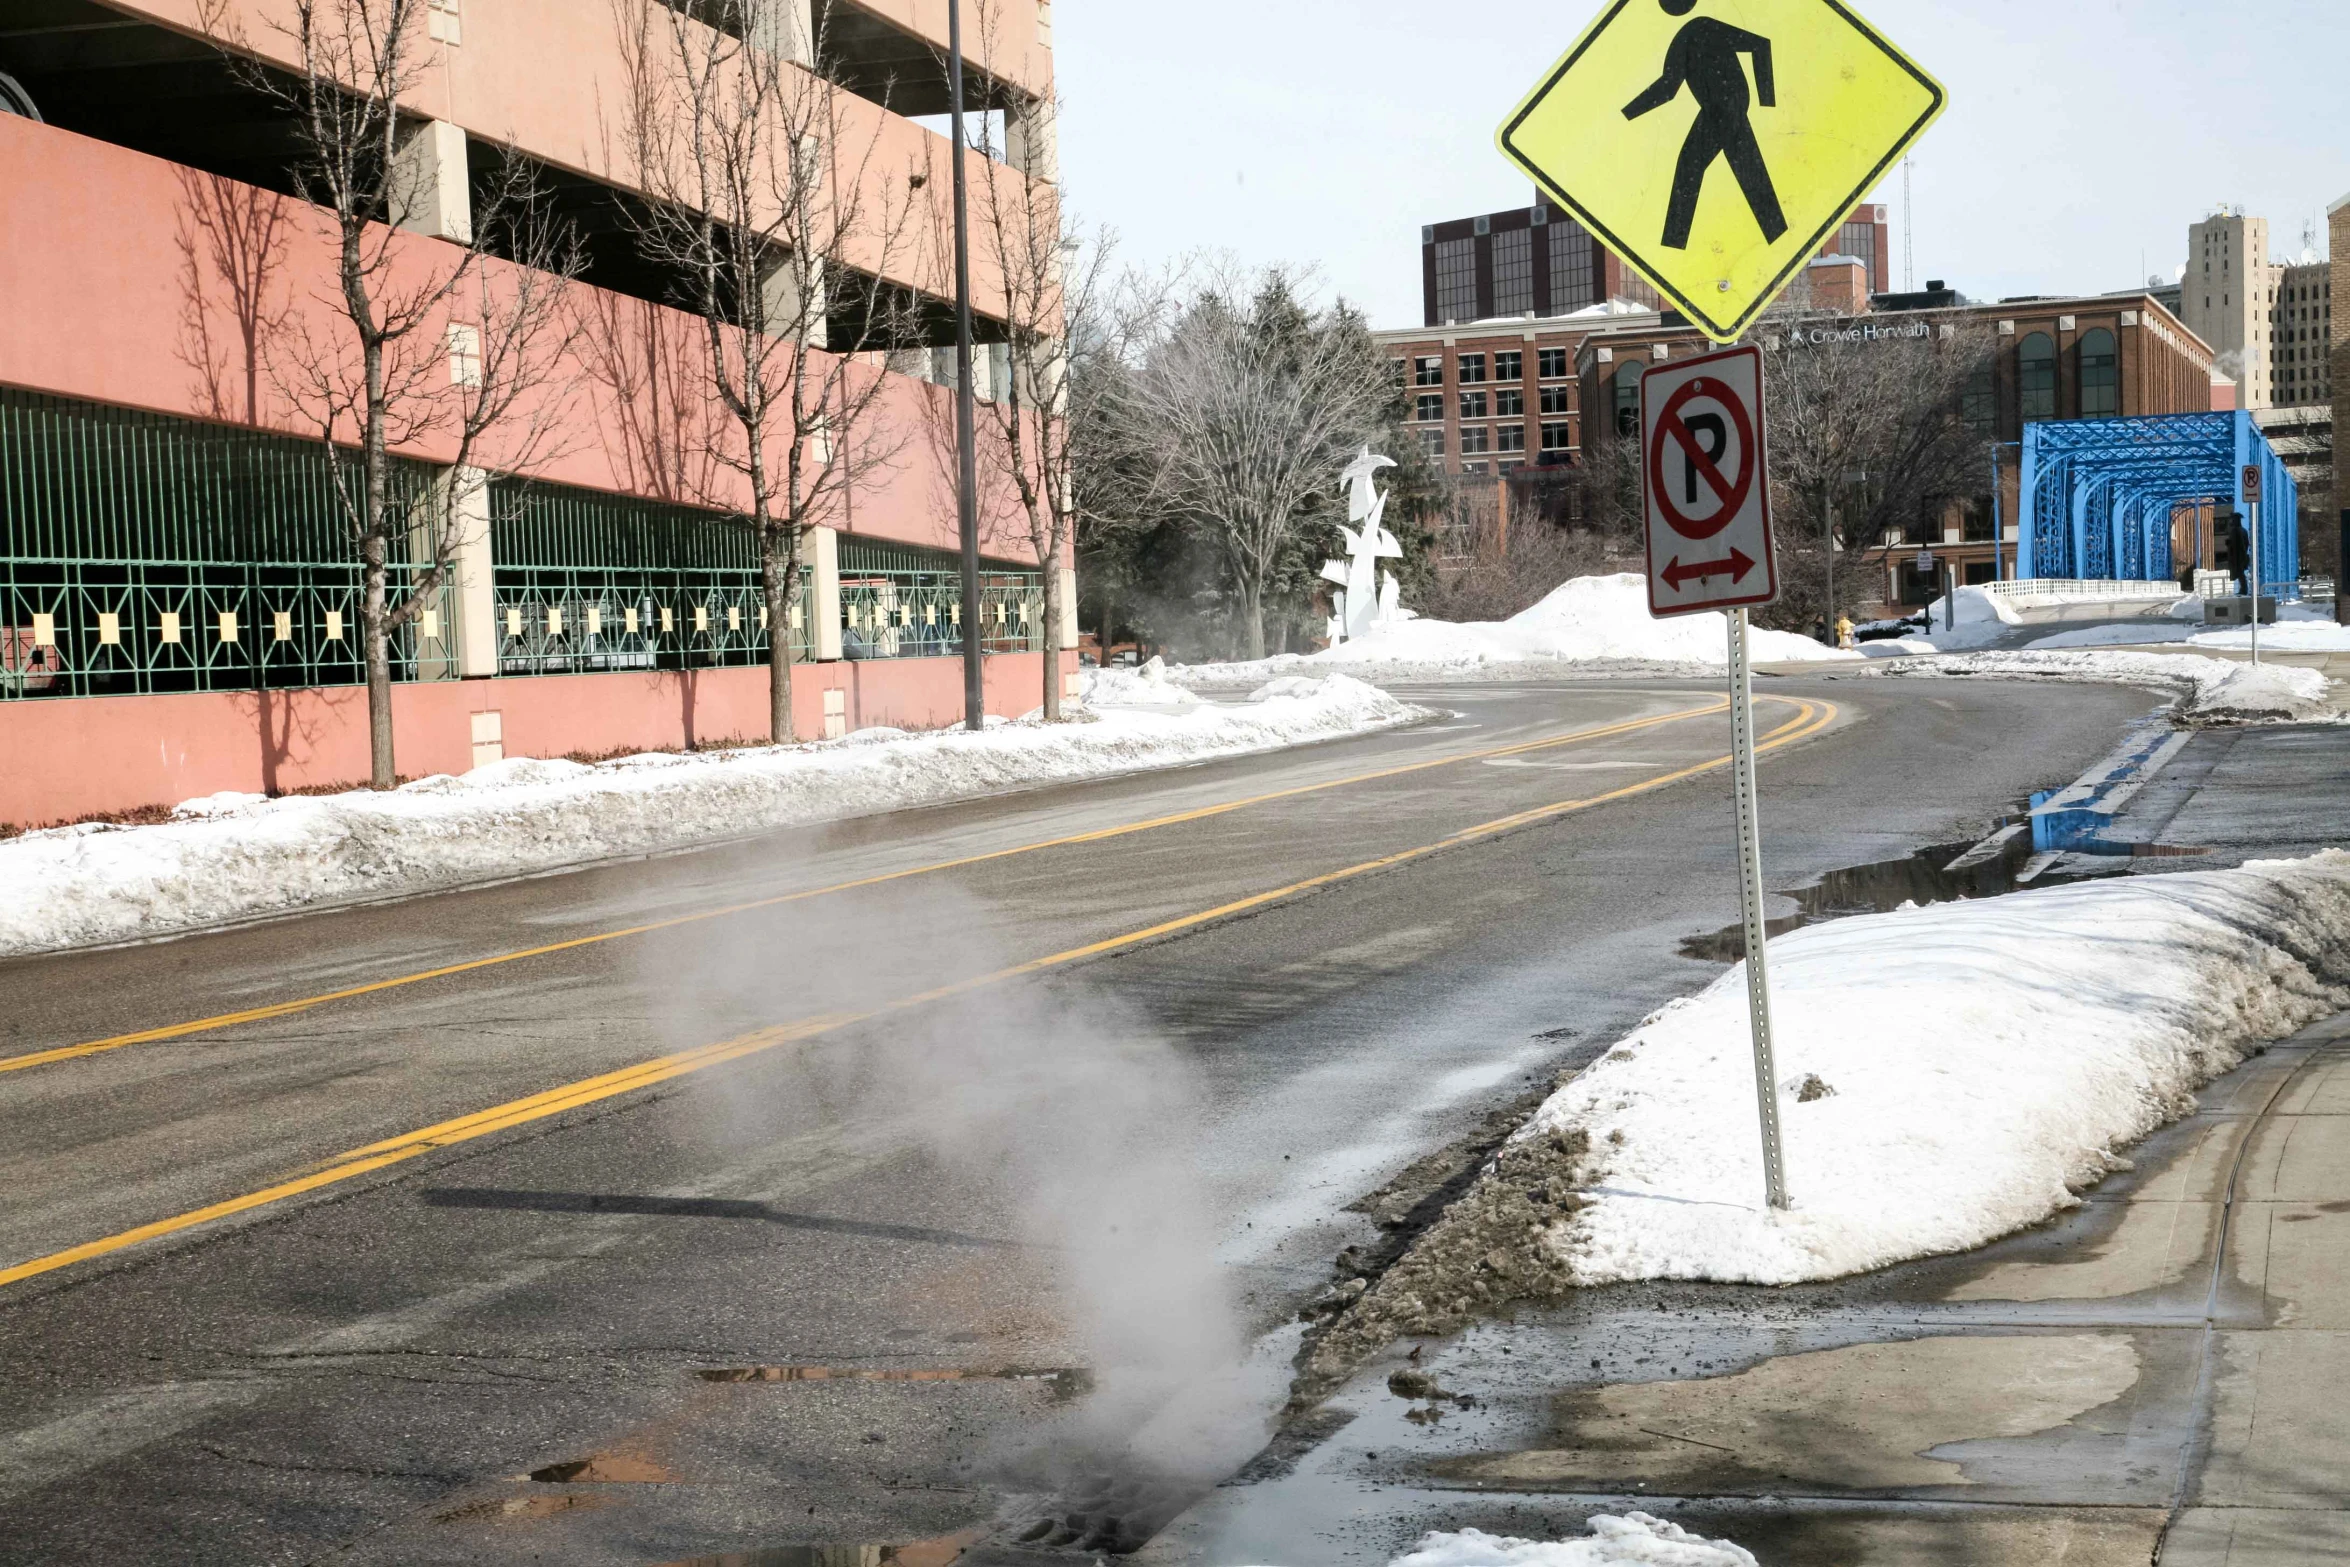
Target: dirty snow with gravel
x=239 y=856
x=1636 y=1540
x=1978 y=1065
x=1590 y=620
x=2208 y=687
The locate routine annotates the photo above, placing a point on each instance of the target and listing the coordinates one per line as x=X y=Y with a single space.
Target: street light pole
x=966 y=415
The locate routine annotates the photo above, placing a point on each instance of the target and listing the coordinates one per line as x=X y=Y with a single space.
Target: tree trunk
x=1252 y=601
x=382 y=765
x=1052 y=641
x=778 y=578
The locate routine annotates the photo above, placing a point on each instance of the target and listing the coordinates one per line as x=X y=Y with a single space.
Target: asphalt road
x=977 y=1147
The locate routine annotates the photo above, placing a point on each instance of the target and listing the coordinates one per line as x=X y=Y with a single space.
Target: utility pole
x=966 y=416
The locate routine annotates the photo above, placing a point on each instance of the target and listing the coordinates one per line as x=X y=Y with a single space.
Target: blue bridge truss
x=2100 y=496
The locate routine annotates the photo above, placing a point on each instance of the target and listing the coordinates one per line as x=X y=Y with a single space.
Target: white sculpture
x=1367 y=597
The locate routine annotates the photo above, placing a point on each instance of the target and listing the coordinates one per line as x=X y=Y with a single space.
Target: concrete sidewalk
x=2156 y=1377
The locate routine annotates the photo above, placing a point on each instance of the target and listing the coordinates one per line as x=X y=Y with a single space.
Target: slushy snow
x=1590 y=620
x=1636 y=1540
x=237 y=856
x=1978 y=1063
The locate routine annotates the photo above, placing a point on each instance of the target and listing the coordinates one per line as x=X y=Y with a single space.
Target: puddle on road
x=1920 y=878
x=921 y=1553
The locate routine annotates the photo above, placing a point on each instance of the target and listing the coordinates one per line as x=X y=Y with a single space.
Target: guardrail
x=2043 y=588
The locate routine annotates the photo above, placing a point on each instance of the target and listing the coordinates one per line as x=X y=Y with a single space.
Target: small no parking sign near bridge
x=1705 y=479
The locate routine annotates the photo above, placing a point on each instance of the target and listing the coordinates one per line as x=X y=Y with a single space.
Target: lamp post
x=966 y=416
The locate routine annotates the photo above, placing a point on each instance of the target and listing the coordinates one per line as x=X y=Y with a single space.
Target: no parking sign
x=1705 y=477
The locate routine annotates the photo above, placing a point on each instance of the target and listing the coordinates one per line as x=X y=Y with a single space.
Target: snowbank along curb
x=237 y=857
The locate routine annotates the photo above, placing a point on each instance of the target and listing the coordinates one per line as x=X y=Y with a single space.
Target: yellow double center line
x=278 y=1009
x=1810 y=719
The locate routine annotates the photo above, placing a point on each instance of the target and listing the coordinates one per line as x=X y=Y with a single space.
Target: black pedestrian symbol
x=1704 y=56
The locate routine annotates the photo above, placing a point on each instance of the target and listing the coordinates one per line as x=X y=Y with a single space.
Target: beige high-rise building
x=2229 y=299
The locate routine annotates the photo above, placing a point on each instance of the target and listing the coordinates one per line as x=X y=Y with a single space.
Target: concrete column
x=824 y=563
x=474 y=581
x=1032 y=140
x=780 y=285
x=784 y=27
x=1069 y=609
x=432 y=183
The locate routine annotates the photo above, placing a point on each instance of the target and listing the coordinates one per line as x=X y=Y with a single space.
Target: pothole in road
x=604 y=1469
x=1064 y=1382
x=920 y=1553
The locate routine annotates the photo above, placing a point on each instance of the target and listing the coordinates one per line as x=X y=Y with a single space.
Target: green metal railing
x=901 y=601
x=141 y=553
x=587 y=581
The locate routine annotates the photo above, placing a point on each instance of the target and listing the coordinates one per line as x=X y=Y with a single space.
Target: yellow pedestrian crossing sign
x=1717 y=145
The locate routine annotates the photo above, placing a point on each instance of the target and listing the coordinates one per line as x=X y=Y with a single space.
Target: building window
x=1513 y=437
x=1558 y=400
x=1552 y=363
x=1472 y=369
x=1509 y=402
x=1574 y=283
x=1627 y=400
x=1513 y=273
x=1472 y=405
x=1558 y=437
x=1978 y=405
x=1476 y=438
x=1510 y=366
x=1456 y=280
x=1432 y=443
x=1402 y=370
x=2035 y=375
x=2101 y=375
x=1428 y=371
x=1860 y=240
x=1430 y=409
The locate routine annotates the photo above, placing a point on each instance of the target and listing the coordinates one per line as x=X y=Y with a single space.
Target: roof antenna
x=1909 y=230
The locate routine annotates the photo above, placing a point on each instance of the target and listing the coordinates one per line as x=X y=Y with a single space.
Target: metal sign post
x=1705 y=485
x=2252 y=499
x=1758 y=973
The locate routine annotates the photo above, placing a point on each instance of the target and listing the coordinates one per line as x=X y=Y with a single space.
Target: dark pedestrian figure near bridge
x=1704 y=57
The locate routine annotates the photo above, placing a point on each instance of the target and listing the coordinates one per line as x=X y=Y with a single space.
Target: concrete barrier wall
x=74 y=758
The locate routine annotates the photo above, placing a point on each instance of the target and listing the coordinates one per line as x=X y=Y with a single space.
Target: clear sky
x=2082 y=135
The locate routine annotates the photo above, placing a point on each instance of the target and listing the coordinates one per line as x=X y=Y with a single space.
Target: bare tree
x=1250 y=406
x=1493 y=564
x=1868 y=433
x=759 y=184
x=431 y=343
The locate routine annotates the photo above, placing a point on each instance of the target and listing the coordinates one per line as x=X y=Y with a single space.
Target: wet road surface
x=898 y=1198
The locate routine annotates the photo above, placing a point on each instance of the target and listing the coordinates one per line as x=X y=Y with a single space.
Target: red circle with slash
x=1670 y=427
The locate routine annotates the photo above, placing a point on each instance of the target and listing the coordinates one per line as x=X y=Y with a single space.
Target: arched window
x=2101 y=376
x=1627 y=393
x=2035 y=376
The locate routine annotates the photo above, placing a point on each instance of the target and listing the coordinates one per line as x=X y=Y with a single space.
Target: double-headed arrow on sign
x=1735 y=568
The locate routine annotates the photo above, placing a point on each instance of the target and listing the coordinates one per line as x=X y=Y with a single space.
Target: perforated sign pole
x=1758 y=973
x=1706 y=490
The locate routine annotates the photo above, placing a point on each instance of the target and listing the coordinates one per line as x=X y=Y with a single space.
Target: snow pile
x=1983 y=618
x=2210 y=687
x=1948 y=1074
x=1633 y=1541
x=1589 y=620
x=233 y=857
x=1147 y=686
